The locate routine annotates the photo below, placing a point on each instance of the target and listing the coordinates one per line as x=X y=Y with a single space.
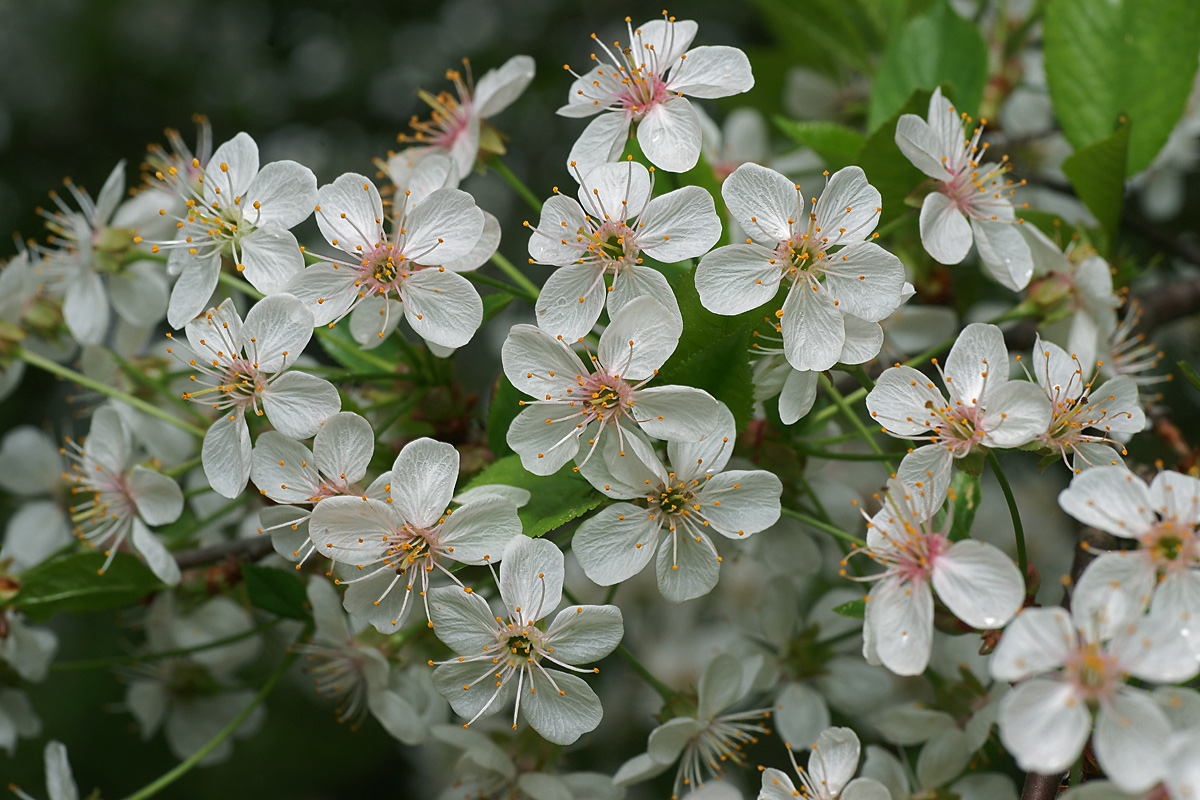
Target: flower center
x=607 y=396
x=1172 y=546
x=1093 y=671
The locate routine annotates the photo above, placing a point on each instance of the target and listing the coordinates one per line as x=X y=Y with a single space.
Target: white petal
x=158 y=498
x=607 y=544
x=1177 y=497
x=710 y=72
x=352 y=530
x=60 y=783
x=762 y=201
x=34 y=533
x=297 y=403
x=468 y=699
x=157 y=557
x=849 y=203
x=670 y=135
x=798 y=395
x=425 y=473
x=498 y=88
x=1044 y=724
x=558 y=238
x=30 y=461
x=901 y=616
x=812 y=326
x=344 y=445
x=615 y=191
x=478 y=532
x=736 y=278
x=1113 y=588
x=225 y=455
x=777 y=785
x=109 y=442
x=721 y=685
x=1111 y=499
x=531 y=577
x=863 y=340
x=709 y=455
x=270 y=257
x=193 y=290
x=945 y=232
x=443 y=227
x=834 y=759
x=373 y=320
x=571 y=301
x=283 y=469
x=922 y=147
x=484 y=249
x=866 y=280
x=601 y=141
x=1130 y=731
x=545 y=436
x=675 y=413
x=564 y=714
x=639 y=339
x=583 y=634
x=801 y=715
x=140 y=294
x=979 y=584
x=1038 y=640
x=687 y=566
x=943 y=758
x=738 y=503
x=85 y=308
x=979 y=351
x=1004 y=252
x=276 y=332
x=442 y=307
x=537 y=363
x=637 y=281
x=397 y=716
x=927 y=469
x=462 y=620
x=232 y=167
x=351 y=214
x=678 y=225
x=283 y=193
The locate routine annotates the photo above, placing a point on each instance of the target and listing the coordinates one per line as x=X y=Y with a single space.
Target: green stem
x=832 y=530
x=145 y=380
x=518 y=277
x=46 y=364
x=664 y=691
x=848 y=412
x=186 y=765
x=239 y=285
x=835 y=456
x=496 y=283
x=516 y=183
x=610 y=594
x=402 y=408
x=896 y=223
x=1018 y=529
x=116 y=661
x=183 y=468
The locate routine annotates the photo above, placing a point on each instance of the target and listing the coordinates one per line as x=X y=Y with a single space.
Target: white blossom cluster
x=816 y=598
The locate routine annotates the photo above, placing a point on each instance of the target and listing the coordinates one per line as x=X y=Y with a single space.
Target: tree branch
x=239 y=549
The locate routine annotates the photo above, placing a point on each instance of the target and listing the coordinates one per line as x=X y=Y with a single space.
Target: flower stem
x=506 y=266
x=516 y=183
x=183 y=468
x=832 y=530
x=116 y=661
x=238 y=285
x=496 y=283
x=186 y=765
x=664 y=691
x=1018 y=530
x=844 y=406
x=46 y=364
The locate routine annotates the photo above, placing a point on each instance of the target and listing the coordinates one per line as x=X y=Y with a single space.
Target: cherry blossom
x=558 y=705
x=247 y=367
x=646 y=84
x=830 y=774
x=60 y=781
x=838 y=284
x=971 y=200
x=607 y=233
x=571 y=402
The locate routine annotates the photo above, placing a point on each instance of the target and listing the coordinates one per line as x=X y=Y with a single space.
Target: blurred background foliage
x=86 y=84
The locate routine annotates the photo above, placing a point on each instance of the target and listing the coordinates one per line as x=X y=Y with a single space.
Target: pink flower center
x=1172 y=546
x=1092 y=671
x=605 y=396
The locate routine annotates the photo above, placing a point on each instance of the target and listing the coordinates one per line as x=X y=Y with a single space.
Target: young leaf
x=855 y=609
x=887 y=169
x=1105 y=58
x=1189 y=373
x=74 y=583
x=503 y=410
x=966 y=494
x=555 y=499
x=339 y=345
x=836 y=144
x=276 y=590
x=938 y=47
x=1098 y=174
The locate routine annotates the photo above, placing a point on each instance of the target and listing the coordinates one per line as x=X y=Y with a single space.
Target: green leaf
x=821 y=33
x=836 y=144
x=1098 y=174
x=887 y=169
x=966 y=493
x=504 y=409
x=1105 y=58
x=276 y=590
x=555 y=499
x=938 y=47
x=1189 y=373
x=339 y=345
x=494 y=303
x=74 y=583
x=971 y=464
x=855 y=609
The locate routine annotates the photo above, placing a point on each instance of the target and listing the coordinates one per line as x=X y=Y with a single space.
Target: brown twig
x=239 y=549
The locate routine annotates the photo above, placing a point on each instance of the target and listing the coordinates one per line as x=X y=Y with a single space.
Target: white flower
x=493 y=651
x=970 y=201
x=1164 y=572
x=646 y=84
x=1110 y=410
x=685 y=499
x=707 y=742
x=393 y=544
x=60 y=782
x=30 y=467
x=358 y=677
x=243 y=366
x=1072 y=664
x=836 y=281
x=118 y=498
x=412 y=271
x=458 y=127
x=1079 y=281
x=831 y=768
x=935 y=768
x=572 y=402
x=607 y=235
x=985 y=409
x=976 y=581
x=27 y=650
x=192 y=698
x=240 y=212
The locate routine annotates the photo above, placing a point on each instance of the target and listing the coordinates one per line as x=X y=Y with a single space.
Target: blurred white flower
x=832 y=762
